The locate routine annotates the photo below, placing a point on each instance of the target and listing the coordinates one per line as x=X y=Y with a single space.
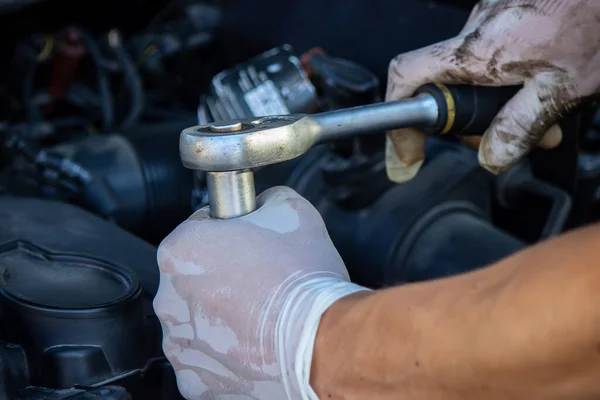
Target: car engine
x=93 y=99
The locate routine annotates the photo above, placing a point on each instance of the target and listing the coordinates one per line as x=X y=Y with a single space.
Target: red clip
x=305 y=59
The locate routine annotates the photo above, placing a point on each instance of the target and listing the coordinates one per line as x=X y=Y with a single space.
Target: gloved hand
x=240 y=300
x=550 y=46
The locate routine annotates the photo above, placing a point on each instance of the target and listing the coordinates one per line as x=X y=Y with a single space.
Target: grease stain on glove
x=551 y=47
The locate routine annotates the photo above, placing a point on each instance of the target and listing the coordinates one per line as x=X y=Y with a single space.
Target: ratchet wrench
x=229 y=150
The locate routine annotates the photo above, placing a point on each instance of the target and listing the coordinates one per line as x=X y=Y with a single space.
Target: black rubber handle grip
x=467 y=110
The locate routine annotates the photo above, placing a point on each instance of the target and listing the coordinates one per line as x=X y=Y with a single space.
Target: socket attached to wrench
x=228 y=151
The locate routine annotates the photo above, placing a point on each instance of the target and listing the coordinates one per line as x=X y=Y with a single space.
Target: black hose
x=106 y=102
x=132 y=81
x=33 y=114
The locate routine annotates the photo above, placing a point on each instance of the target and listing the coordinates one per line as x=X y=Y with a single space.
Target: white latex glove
x=551 y=46
x=240 y=300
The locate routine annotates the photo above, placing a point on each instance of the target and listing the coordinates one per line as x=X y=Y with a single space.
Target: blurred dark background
x=369 y=32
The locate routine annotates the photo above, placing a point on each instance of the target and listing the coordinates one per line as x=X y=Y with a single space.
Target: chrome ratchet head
x=246 y=143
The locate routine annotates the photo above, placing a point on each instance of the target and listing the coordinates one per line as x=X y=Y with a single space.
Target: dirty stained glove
x=550 y=46
x=240 y=300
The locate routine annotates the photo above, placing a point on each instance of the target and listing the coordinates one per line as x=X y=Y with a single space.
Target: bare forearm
x=528 y=327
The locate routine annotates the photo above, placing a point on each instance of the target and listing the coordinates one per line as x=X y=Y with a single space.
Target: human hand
x=550 y=46
x=240 y=300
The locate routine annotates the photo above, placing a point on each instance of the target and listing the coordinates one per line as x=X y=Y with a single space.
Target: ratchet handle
x=466 y=110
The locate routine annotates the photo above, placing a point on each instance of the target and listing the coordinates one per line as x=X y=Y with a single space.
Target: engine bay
x=94 y=97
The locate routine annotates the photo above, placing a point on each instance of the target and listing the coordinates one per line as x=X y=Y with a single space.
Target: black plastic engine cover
x=75 y=295
x=65 y=229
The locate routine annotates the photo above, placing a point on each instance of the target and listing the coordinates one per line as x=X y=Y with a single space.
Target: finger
x=444 y=63
x=409 y=71
x=551 y=139
x=404 y=154
x=201 y=214
x=191 y=385
x=405 y=148
x=473 y=19
x=179 y=235
x=283 y=210
x=275 y=200
x=461 y=60
x=521 y=124
x=276 y=194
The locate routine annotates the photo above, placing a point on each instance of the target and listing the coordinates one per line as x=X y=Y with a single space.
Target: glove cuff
x=297 y=328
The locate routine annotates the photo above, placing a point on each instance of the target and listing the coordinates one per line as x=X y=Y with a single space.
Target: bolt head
x=224 y=127
x=246 y=143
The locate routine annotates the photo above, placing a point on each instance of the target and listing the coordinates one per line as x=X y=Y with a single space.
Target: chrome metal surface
x=225 y=127
x=260 y=142
x=274 y=139
x=377 y=118
x=228 y=150
x=231 y=194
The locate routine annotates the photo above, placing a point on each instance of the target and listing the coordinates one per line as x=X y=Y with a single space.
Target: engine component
x=277 y=81
x=75 y=301
x=271 y=83
x=135 y=179
x=67 y=59
x=240 y=145
x=518 y=189
x=65 y=308
x=50 y=75
x=438 y=224
x=175 y=54
x=340 y=83
x=146 y=186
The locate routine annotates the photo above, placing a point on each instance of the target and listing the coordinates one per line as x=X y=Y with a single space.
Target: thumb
x=523 y=122
x=405 y=148
x=441 y=63
x=282 y=206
